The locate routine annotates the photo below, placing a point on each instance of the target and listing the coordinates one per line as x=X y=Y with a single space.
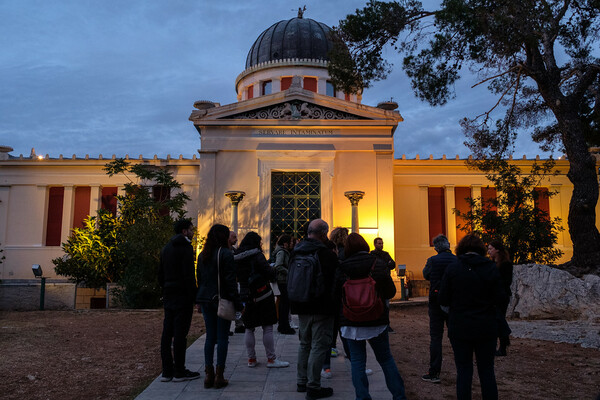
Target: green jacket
x=282 y=258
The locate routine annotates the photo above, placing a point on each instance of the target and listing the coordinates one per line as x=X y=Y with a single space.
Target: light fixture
x=37 y=270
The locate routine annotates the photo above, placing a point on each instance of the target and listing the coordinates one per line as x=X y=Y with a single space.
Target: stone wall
x=542 y=292
x=25 y=295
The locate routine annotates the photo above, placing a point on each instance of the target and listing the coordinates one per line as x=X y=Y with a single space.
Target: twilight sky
x=120 y=77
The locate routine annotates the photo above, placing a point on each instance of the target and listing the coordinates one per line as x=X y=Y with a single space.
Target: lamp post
x=235 y=196
x=37 y=272
x=354 y=196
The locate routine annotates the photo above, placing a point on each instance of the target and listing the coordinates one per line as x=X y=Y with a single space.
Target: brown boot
x=220 y=380
x=209 y=380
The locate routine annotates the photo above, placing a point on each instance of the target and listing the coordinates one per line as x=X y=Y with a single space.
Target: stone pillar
x=235 y=196
x=354 y=196
x=67 y=217
x=95 y=199
x=450 y=199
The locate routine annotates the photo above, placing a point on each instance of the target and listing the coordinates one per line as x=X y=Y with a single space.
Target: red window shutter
x=109 y=201
x=543 y=200
x=437 y=212
x=286 y=82
x=487 y=194
x=55 y=212
x=461 y=193
x=250 y=92
x=310 y=84
x=82 y=205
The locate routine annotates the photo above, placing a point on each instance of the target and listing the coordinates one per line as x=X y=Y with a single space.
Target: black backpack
x=305 y=281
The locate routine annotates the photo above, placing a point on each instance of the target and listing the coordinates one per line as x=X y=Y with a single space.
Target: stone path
x=261 y=383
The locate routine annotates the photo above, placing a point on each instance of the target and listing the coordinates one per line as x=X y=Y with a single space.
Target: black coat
x=323 y=305
x=471 y=288
x=434 y=271
x=359 y=266
x=176 y=273
x=208 y=280
x=384 y=258
x=263 y=312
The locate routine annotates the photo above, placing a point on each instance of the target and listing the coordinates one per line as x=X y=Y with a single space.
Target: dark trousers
x=284 y=307
x=437 y=318
x=484 y=350
x=176 y=326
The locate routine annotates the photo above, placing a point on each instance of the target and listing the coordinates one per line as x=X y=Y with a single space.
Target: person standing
x=433 y=272
x=316 y=315
x=216 y=268
x=254 y=275
x=282 y=259
x=499 y=255
x=383 y=259
x=178 y=283
x=359 y=264
x=471 y=288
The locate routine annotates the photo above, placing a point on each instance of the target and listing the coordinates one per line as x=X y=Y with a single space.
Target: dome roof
x=292 y=38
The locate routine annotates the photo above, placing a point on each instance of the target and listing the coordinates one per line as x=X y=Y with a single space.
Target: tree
x=125 y=248
x=514 y=216
x=537 y=57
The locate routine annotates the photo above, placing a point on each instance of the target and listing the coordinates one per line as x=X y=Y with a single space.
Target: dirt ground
x=115 y=355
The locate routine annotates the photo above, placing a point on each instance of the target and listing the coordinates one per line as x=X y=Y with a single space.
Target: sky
x=120 y=77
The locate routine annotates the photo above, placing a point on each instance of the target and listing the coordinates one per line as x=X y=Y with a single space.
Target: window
x=461 y=194
x=437 y=212
x=56 y=196
x=330 y=90
x=250 y=91
x=109 y=200
x=542 y=201
x=286 y=82
x=310 y=84
x=266 y=87
x=487 y=195
x=160 y=194
x=82 y=205
x=346 y=97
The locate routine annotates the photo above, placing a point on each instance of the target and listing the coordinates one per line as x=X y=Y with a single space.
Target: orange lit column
x=354 y=196
x=67 y=217
x=95 y=199
x=450 y=201
x=235 y=196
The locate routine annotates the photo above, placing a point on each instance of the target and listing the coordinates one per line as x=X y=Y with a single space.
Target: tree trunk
x=582 y=209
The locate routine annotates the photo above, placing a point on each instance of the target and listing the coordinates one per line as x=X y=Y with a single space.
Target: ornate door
x=295 y=200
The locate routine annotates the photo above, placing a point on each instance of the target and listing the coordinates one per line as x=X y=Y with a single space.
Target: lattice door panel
x=295 y=200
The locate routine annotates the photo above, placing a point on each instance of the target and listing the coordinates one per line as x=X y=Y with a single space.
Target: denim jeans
x=315 y=334
x=383 y=354
x=217 y=332
x=484 y=350
x=176 y=326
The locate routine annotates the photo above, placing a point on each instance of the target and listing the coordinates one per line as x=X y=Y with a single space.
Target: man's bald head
x=318 y=229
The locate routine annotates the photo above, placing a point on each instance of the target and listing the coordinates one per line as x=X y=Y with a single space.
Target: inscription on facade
x=295 y=132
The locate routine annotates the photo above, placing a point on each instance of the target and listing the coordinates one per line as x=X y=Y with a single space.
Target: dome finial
x=301 y=11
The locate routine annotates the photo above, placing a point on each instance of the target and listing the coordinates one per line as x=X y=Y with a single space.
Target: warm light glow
x=40 y=157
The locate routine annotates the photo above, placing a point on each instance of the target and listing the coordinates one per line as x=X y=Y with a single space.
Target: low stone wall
x=24 y=294
x=542 y=292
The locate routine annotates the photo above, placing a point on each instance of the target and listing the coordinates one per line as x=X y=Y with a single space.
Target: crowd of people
x=337 y=287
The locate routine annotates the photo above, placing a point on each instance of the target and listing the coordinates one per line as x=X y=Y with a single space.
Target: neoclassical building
x=292 y=148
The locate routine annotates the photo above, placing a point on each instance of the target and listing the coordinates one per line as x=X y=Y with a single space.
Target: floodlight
x=37 y=270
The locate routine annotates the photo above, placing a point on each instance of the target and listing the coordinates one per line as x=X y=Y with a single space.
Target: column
x=556 y=210
x=476 y=196
x=95 y=198
x=424 y=215
x=67 y=217
x=235 y=196
x=354 y=196
x=276 y=85
x=321 y=85
x=450 y=200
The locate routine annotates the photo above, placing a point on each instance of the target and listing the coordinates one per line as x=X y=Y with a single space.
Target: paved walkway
x=261 y=383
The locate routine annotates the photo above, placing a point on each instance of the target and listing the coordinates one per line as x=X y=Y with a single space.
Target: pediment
x=294 y=110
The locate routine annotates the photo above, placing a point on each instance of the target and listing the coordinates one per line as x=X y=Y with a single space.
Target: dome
x=290 y=39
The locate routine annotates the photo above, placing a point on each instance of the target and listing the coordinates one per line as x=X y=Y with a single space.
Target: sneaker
x=275 y=363
x=294 y=325
x=301 y=388
x=320 y=393
x=286 y=331
x=368 y=371
x=252 y=362
x=433 y=378
x=326 y=373
x=166 y=377
x=186 y=375
x=334 y=352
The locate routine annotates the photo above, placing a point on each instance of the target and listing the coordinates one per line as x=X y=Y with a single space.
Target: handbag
x=225 y=309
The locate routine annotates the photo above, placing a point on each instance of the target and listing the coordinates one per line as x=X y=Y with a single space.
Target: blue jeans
x=358 y=361
x=217 y=332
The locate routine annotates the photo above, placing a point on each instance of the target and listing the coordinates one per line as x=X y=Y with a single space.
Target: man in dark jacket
x=384 y=260
x=433 y=272
x=177 y=278
x=315 y=316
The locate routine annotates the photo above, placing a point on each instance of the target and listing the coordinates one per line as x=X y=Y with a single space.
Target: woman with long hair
x=215 y=263
x=471 y=288
x=499 y=255
x=360 y=264
x=254 y=275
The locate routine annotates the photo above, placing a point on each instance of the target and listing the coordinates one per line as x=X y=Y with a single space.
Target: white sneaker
x=293 y=325
x=369 y=371
x=252 y=362
x=326 y=373
x=277 y=364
